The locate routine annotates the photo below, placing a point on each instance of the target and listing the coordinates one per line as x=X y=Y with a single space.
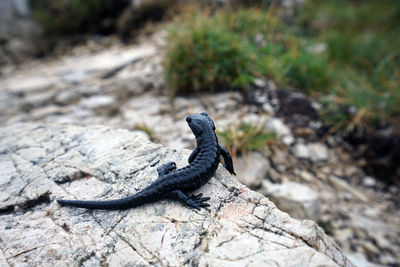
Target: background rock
x=43 y=163
x=252 y=169
x=101 y=104
x=296 y=199
x=315 y=152
x=19 y=34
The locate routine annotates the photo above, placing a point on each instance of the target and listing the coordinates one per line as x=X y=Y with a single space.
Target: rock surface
x=294 y=198
x=19 y=34
x=42 y=163
x=316 y=152
x=252 y=170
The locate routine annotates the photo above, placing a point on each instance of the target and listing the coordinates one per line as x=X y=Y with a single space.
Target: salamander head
x=200 y=123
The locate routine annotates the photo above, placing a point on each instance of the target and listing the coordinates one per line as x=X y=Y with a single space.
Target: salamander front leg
x=166 y=168
x=228 y=160
x=195 y=201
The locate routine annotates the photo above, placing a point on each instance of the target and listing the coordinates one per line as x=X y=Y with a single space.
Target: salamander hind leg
x=228 y=159
x=166 y=168
x=195 y=201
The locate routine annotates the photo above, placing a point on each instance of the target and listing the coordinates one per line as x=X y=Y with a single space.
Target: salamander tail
x=116 y=204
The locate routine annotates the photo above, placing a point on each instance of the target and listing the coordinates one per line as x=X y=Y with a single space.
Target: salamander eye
x=204 y=114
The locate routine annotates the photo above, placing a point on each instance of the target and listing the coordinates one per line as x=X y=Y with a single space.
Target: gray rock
x=288 y=139
x=360 y=260
x=342 y=185
x=42 y=163
x=23 y=83
x=252 y=169
x=315 y=152
x=67 y=97
x=260 y=82
x=75 y=76
x=101 y=104
x=369 y=181
x=306 y=176
x=301 y=151
x=19 y=33
x=318 y=152
x=18 y=49
x=298 y=200
x=277 y=125
x=118 y=72
x=379 y=231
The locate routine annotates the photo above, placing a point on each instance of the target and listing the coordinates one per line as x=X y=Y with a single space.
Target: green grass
x=358 y=69
x=219 y=52
x=245 y=137
x=283 y=57
x=203 y=56
x=363 y=43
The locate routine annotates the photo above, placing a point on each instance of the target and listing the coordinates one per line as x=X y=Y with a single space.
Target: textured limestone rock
x=100 y=80
x=41 y=163
x=252 y=169
x=101 y=104
x=298 y=200
x=19 y=33
x=316 y=152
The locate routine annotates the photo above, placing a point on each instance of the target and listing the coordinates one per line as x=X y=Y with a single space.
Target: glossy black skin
x=175 y=183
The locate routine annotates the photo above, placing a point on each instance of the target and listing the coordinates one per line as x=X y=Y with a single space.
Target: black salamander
x=173 y=183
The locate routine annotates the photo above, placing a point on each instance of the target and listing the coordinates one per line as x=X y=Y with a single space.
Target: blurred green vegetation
x=347 y=53
x=229 y=49
x=363 y=48
x=244 y=137
x=204 y=56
